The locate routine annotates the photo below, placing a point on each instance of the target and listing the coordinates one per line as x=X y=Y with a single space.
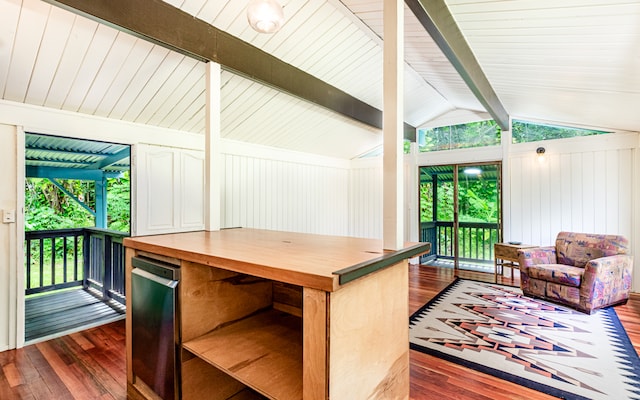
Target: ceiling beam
x=435 y=17
x=111 y=159
x=32 y=171
x=168 y=26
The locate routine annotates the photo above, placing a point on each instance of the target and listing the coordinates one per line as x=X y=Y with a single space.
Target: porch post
x=101 y=203
x=393 y=125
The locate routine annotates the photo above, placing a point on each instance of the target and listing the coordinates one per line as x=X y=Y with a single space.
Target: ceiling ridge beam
x=435 y=17
x=170 y=27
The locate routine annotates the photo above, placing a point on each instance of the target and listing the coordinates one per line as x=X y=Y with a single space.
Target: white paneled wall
x=365 y=198
x=286 y=194
x=169 y=190
x=584 y=185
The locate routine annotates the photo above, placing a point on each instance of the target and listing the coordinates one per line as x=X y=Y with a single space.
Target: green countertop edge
x=359 y=270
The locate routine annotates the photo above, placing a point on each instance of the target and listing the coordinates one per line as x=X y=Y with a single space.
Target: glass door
x=478 y=214
x=460 y=213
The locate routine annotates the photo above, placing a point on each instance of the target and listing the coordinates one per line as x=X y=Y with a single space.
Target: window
x=523 y=131
x=474 y=134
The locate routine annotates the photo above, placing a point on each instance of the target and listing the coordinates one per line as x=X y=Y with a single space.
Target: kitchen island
x=281 y=315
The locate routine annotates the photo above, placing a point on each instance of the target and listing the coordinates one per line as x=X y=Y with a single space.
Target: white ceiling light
x=472 y=171
x=265 y=16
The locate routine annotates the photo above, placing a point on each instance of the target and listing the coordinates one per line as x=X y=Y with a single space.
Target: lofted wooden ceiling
x=573 y=62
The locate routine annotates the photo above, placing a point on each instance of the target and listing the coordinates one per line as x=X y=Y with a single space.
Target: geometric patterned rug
x=495 y=329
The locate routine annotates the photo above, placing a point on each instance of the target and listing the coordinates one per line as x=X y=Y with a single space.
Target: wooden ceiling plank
x=110 y=67
x=145 y=72
x=193 y=7
x=308 y=33
x=125 y=77
x=149 y=18
x=209 y=12
x=326 y=46
x=191 y=88
x=31 y=26
x=55 y=38
x=441 y=26
x=160 y=90
x=154 y=84
x=94 y=57
x=9 y=18
x=77 y=45
x=162 y=102
x=193 y=113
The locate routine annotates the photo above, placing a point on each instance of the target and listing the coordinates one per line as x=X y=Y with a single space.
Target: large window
x=474 y=134
x=523 y=131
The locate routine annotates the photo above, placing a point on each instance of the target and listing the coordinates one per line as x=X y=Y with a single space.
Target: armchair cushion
x=578 y=248
x=557 y=273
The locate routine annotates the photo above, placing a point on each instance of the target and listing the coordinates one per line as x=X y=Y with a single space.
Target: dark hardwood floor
x=91 y=364
x=84 y=365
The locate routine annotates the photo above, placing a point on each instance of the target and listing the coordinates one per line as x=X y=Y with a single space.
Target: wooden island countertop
x=309 y=260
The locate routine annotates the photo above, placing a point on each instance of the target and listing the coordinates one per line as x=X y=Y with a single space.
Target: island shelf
x=281 y=315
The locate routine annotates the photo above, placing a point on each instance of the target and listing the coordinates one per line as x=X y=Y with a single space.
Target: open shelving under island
x=281 y=315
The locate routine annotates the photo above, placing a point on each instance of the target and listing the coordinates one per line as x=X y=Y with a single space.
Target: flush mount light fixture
x=540 y=152
x=472 y=171
x=265 y=16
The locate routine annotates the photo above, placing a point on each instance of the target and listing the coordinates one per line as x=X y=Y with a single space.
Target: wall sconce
x=265 y=16
x=540 y=152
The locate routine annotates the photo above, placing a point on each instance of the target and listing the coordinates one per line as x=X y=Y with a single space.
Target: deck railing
x=475 y=241
x=64 y=258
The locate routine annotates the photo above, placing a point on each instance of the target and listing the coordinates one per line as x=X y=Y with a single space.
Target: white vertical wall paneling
x=565 y=192
x=577 y=217
x=365 y=199
x=545 y=203
x=284 y=195
x=625 y=191
x=536 y=197
x=516 y=176
x=588 y=187
x=555 y=216
x=611 y=189
x=600 y=195
x=581 y=189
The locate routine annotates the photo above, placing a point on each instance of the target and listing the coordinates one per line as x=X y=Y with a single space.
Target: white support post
x=393 y=125
x=505 y=187
x=213 y=156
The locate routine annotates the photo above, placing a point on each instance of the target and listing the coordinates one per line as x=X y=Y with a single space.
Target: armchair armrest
x=607 y=278
x=536 y=255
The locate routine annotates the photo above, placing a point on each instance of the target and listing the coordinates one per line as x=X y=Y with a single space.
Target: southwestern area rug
x=549 y=348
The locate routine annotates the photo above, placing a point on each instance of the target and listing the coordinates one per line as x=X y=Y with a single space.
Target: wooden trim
x=315 y=376
x=129 y=254
x=359 y=270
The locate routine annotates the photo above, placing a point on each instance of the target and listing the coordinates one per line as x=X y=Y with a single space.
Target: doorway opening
x=460 y=214
x=77 y=212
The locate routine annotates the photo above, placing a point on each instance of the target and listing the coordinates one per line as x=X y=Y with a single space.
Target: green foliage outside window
x=478 y=202
x=48 y=208
x=474 y=134
x=523 y=131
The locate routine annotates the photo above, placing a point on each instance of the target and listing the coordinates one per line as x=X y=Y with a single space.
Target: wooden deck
x=63 y=312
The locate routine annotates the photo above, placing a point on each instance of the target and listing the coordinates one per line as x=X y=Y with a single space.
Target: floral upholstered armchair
x=583 y=271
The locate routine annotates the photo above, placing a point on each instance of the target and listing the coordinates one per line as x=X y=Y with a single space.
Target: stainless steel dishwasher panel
x=155 y=331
